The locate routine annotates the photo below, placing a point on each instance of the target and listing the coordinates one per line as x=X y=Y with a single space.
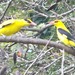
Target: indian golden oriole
x=12 y=26
x=63 y=33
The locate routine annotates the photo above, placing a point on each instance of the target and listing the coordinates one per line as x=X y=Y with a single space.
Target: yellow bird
x=12 y=26
x=63 y=33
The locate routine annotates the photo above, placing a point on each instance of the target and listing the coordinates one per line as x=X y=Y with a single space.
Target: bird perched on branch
x=63 y=33
x=12 y=26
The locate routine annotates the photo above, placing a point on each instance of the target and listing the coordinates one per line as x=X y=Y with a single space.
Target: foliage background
x=50 y=63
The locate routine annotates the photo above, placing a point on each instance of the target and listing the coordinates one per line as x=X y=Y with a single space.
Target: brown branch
x=66 y=13
x=41 y=14
x=37 y=41
x=31 y=29
x=47 y=66
x=39 y=31
x=53 y=16
x=42 y=29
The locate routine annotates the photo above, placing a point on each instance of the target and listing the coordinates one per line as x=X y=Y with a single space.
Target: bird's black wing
x=6 y=23
x=69 y=36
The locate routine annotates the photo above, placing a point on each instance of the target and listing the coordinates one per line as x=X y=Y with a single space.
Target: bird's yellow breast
x=9 y=30
x=63 y=39
x=12 y=27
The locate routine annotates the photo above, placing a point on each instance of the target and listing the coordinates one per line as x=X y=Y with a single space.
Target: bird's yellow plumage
x=12 y=26
x=63 y=33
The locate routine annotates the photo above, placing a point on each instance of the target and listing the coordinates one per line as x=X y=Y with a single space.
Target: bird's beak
x=33 y=24
x=51 y=23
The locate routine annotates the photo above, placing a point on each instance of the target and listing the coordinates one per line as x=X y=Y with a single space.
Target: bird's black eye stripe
x=56 y=21
x=27 y=20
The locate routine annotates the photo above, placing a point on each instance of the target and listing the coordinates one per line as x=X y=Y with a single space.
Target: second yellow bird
x=12 y=26
x=63 y=33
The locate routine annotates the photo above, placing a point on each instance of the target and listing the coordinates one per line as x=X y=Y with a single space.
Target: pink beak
x=33 y=24
x=51 y=23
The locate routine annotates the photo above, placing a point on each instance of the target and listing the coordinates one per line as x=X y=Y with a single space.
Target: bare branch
x=38 y=56
x=53 y=16
x=37 y=41
x=66 y=13
x=42 y=29
x=47 y=66
x=31 y=29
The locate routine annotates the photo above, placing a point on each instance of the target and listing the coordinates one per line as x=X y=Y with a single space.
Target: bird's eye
x=28 y=20
x=56 y=21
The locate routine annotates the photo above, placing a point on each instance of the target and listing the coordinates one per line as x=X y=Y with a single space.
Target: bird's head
x=57 y=23
x=29 y=22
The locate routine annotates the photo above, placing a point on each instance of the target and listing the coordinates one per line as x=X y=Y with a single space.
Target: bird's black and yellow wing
x=69 y=35
x=6 y=23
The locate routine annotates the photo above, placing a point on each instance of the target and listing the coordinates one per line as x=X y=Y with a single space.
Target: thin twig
x=42 y=29
x=69 y=68
x=31 y=29
x=5 y=10
x=68 y=12
x=47 y=66
x=62 y=63
x=53 y=16
x=37 y=57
